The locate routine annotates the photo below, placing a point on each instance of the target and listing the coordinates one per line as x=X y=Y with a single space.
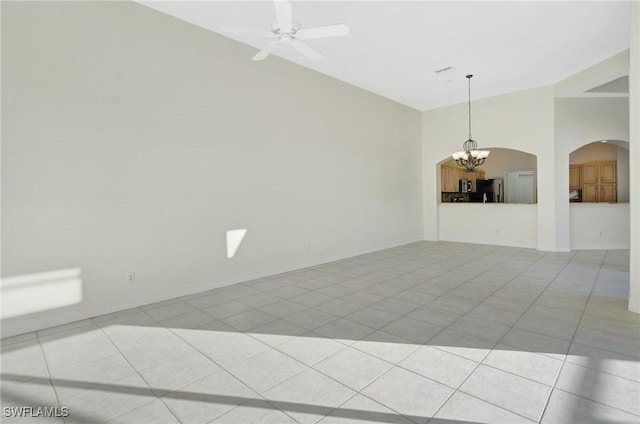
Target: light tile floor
x=427 y=332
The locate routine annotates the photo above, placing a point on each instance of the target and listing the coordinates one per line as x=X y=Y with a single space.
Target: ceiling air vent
x=445 y=70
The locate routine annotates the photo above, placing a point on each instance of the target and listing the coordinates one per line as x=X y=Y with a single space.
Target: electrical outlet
x=131 y=277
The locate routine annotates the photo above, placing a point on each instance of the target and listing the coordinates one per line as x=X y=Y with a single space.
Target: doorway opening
x=520 y=187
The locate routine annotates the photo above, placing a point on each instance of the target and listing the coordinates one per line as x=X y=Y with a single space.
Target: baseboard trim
x=25 y=324
x=589 y=246
x=506 y=243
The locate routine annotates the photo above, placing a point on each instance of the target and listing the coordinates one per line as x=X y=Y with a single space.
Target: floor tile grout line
x=226 y=370
x=135 y=370
x=454 y=389
x=620 y=321
x=513 y=326
x=481 y=363
x=422 y=376
x=221 y=368
x=96 y=384
x=76 y=364
x=564 y=359
x=371 y=382
x=594 y=401
x=431 y=301
x=492 y=404
x=465 y=314
x=602 y=371
x=567 y=262
x=614 y=319
x=63 y=331
x=248 y=400
x=347 y=400
x=46 y=364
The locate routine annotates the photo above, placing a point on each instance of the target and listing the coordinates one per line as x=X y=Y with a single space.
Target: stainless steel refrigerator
x=490 y=191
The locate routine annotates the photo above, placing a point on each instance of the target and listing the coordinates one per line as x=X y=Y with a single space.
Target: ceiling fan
x=287 y=31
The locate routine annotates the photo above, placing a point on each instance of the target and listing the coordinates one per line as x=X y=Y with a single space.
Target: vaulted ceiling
x=394 y=48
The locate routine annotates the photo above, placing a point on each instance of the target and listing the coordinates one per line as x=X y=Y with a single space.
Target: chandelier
x=470 y=157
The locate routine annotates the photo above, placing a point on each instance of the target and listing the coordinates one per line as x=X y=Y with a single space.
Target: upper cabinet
x=608 y=171
x=590 y=173
x=449 y=178
x=451 y=175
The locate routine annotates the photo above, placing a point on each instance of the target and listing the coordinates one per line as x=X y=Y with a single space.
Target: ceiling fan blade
x=283 y=15
x=247 y=31
x=265 y=52
x=307 y=50
x=336 y=30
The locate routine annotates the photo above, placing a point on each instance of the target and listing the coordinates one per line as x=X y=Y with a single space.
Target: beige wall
x=599 y=226
x=502 y=160
x=580 y=121
x=623 y=175
x=503 y=224
x=594 y=152
x=133 y=141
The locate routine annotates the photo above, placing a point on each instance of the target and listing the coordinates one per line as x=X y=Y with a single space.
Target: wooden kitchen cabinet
x=448 y=173
x=598 y=181
x=575 y=177
x=444 y=178
x=590 y=173
x=590 y=193
x=603 y=193
x=607 y=171
x=448 y=176
x=455 y=175
x=608 y=193
x=451 y=175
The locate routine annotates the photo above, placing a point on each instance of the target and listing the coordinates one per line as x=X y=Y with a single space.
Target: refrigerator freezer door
x=498 y=190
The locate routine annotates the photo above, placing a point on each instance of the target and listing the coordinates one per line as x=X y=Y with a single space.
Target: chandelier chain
x=470 y=157
x=469 y=79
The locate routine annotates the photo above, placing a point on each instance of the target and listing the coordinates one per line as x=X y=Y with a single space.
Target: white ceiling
x=394 y=48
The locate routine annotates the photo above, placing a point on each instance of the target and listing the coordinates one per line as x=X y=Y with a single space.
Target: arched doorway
x=498 y=206
x=599 y=195
x=516 y=169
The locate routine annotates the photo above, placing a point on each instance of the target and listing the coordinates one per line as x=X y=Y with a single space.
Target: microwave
x=464 y=186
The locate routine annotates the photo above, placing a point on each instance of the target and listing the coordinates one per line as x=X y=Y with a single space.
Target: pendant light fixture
x=470 y=157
